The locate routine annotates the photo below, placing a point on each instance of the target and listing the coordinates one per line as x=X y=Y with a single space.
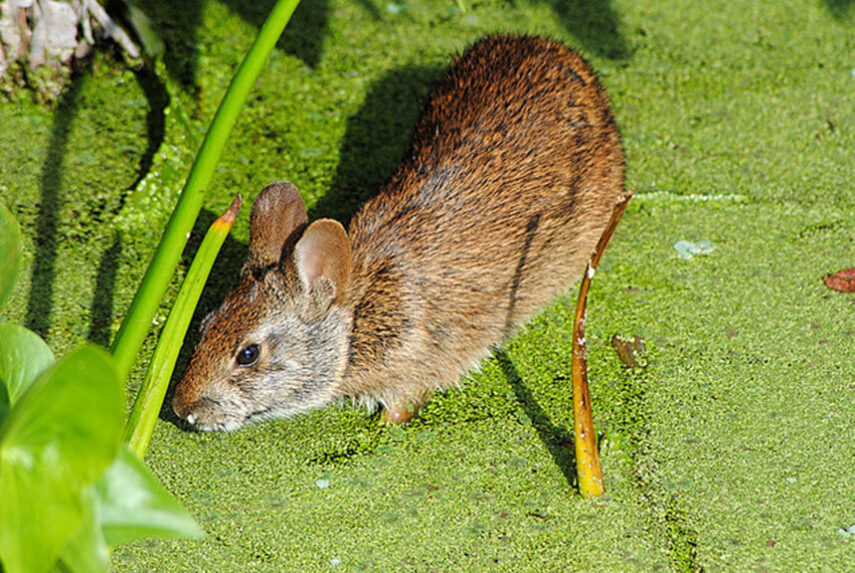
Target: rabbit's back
x=512 y=175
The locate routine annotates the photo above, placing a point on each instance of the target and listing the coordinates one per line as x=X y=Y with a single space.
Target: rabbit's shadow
x=376 y=139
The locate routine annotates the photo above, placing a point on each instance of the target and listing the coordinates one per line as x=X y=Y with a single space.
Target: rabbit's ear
x=322 y=259
x=278 y=215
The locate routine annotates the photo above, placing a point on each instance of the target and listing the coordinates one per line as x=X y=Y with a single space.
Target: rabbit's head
x=278 y=344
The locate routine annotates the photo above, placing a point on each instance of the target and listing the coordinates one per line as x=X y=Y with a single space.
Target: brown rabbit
x=514 y=169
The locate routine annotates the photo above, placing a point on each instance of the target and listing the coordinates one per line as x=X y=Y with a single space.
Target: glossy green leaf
x=132 y=504
x=59 y=438
x=10 y=247
x=23 y=357
x=86 y=551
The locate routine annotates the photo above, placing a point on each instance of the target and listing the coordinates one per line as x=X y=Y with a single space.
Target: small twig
x=588 y=470
x=112 y=29
x=24 y=30
x=3 y=64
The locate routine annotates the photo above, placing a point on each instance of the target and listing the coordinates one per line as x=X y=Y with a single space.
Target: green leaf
x=23 y=357
x=150 y=40
x=57 y=440
x=10 y=246
x=141 y=421
x=131 y=504
x=87 y=551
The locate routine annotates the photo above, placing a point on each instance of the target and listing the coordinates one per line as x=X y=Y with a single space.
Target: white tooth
x=191 y=419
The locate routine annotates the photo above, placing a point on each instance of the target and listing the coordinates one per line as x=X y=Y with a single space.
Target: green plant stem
x=162 y=267
x=140 y=424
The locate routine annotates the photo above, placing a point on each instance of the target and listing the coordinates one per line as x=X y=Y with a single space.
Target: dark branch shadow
x=40 y=303
x=102 y=297
x=305 y=34
x=376 y=139
x=178 y=22
x=839 y=9
x=558 y=441
x=223 y=278
x=595 y=23
x=158 y=100
x=371 y=8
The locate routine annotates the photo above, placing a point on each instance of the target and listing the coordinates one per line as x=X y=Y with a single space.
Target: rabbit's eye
x=249 y=355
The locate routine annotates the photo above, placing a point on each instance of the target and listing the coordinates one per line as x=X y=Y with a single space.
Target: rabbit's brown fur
x=513 y=172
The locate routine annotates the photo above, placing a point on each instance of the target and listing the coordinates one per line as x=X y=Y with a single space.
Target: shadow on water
x=595 y=23
x=840 y=9
x=155 y=121
x=371 y=7
x=102 y=297
x=224 y=276
x=40 y=303
x=178 y=23
x=376 y=139
x=558 y=441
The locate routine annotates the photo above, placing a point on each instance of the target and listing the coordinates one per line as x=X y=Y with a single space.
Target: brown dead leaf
x=629 y=349
x=843 y=281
